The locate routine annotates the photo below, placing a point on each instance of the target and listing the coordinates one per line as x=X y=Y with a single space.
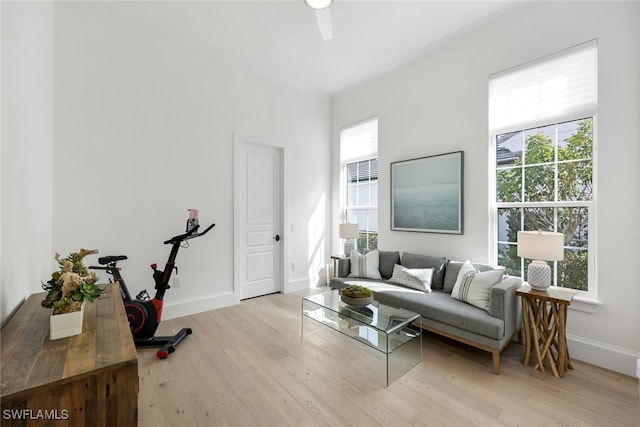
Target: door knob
x=277 y=238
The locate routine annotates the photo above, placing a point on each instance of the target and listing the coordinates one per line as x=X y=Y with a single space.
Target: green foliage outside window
x=367 y=242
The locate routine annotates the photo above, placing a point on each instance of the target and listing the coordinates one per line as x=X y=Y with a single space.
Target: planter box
x=66 y=325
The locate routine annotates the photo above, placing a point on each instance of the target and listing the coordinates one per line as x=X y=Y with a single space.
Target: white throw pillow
x=365 y=266
x=424 y=275
x=474 y=287
x=415 y=278
x=466 y=268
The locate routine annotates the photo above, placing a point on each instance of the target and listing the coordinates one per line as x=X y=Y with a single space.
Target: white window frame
x=368 y=153
x=346 y=207
x=591 y=295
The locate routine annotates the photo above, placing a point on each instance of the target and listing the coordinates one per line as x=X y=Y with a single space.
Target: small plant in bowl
x=356 y=295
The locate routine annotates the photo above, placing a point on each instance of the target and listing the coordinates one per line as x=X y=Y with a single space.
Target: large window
x=359 y=151
x=542 y=117
x=362 y=201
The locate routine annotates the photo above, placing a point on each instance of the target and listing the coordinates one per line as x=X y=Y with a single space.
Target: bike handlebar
x=188 y=235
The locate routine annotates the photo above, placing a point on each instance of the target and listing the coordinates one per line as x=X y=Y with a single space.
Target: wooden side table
x=545 y=318
x=335 y=259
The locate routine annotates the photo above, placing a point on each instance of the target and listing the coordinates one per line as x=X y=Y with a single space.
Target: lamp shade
x=318 y=4
x=348 y=231
x=541 y=245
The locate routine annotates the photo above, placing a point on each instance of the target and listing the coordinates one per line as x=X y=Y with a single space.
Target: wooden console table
x=545 y=318
x=89 y=379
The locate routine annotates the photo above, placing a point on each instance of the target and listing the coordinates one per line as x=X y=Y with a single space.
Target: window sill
x=585 y=304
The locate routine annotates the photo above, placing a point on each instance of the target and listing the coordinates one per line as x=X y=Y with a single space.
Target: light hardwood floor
x=246 y=365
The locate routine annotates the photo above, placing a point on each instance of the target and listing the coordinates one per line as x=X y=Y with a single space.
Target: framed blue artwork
x=427 y=194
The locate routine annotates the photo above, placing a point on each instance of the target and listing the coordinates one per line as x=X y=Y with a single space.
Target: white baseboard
x=189 y=306
x=296 y=285
x=185 y=307
x=605 y=355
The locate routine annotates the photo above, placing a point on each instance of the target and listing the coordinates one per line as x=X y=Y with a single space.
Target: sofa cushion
x=452 y=270
x=437 y=306
x=410 y=260
x=474 y=286
x=415 y=278
x=388 y=259
x=365 y=266
x=440 y=307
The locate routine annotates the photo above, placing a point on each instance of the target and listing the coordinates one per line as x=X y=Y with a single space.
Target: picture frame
x=427 y=194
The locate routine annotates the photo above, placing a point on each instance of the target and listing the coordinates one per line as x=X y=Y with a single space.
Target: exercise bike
x=144 y=314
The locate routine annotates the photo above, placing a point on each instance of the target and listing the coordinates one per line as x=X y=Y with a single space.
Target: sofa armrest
x=505 y=304
x=344 y=267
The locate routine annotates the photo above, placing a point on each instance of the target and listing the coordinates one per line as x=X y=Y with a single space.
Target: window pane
x=352 y=216
x=575 y=140
x=573 y=270
x=509 y=185
x=539 y=145
x=367 y=242
x=373 y=241
x=508 y=225
x=352 y=172
x=509 y=149
x=574 y=224
x=373 y=220
x=352 y=196
x=374 y=193
x=361 y=215
x=508 y=257
x=575 y=181
x=539 y=183
x=538 y=219
x=363 y=194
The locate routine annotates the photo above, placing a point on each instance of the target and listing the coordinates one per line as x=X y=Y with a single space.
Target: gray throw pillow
x=410 y=260
x=453 y=268
x=387 y=260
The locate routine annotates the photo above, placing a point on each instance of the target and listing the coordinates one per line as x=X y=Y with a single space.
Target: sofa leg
x=496 y=362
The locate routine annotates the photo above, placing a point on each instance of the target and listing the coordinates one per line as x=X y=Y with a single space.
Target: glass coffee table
x=395 y=332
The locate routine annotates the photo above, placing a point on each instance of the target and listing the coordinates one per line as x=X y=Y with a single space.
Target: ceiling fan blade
x=325 y=23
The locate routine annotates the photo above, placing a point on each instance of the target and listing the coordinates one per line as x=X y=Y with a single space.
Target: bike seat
x=111 y=258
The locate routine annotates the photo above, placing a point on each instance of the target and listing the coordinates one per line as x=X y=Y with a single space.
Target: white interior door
x=259 y=215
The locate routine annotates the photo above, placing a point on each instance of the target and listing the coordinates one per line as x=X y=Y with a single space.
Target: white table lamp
x=348 y=232
x=540 y=246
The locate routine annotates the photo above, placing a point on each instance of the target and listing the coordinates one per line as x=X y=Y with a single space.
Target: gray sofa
x=490 y=330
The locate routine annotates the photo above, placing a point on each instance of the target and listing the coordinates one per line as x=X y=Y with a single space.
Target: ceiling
x=281 y=38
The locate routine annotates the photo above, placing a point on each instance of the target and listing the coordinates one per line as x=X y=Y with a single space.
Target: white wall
x=27 y=145
x=143 y=124
x=438 y=102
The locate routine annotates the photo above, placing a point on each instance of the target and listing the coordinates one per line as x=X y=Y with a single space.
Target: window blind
x=557 y=87
x=364 y=170
x=359 y=141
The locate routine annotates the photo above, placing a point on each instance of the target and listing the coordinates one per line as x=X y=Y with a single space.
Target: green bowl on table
x=356 y=295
